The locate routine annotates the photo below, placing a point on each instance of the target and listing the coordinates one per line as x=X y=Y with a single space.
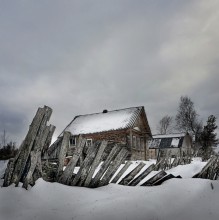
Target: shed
x=172 y=144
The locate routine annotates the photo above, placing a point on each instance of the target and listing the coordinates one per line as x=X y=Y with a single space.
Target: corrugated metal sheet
x=166 y=141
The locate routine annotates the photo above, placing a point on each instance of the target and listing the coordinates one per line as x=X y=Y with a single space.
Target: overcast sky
x=82 y=57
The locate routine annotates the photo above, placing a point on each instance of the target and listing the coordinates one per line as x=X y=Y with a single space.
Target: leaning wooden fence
x=98 y=168
x=210 y=170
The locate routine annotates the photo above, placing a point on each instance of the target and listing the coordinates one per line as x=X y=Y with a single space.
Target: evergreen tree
x=208 y=137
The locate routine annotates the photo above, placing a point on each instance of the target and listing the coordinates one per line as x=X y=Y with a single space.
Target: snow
x=181 y=199
x=169 y=135
x=99 y=122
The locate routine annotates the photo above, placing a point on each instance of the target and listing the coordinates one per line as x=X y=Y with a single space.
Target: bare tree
x=187 y=121
x=187 y=117
x=165 y=125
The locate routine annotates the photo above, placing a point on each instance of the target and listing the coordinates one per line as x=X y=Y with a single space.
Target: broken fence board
x=159 y=163
x=31 y=142
x=95 y=163
x=85 y=166
x=165 y=178
x=130 y=176
x=68 y=172
x=202 y=174
x=34 y=162
x=155 y=178
x=8 y=173
x=26 y=146
x=121 y=172
x=114 y=166
x=63 y=151
x=138 y=179
x=115 y=150
x=49 y=138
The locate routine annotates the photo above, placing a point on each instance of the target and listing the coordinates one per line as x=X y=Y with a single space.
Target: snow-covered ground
x=185 y=198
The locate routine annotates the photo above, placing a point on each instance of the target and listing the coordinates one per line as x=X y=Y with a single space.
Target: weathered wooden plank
x=8 y=173
x=155 y=178
x=165 y=178
x=159 y=163
x=129 y=177
x=96 y=162
x=26 y=146
x=121 y=172
x=175 y=162
x=217 y=171
x=114 y=166
x=34 y=161
x=105 y=165
x=205 y=168
x=31 y=141
x=63 y=151
x=48 y=138
x=38 y=165
x=85 y=166
x=142 y=175
x=68 y=172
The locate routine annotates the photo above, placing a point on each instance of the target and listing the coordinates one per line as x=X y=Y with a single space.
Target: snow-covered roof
x=169 y=135
x=100 y=122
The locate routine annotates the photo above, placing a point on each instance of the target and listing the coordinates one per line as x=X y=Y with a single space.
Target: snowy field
x=187 y=198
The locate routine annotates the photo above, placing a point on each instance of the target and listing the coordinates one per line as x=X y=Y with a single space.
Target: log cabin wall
x=133 y=133
x=134 y=138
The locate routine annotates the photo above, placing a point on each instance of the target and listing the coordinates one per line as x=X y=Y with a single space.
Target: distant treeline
x=8 y=151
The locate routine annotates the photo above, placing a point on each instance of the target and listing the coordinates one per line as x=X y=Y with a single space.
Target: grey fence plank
x=105 y=165
x=155 y=178
x=121 y=172
x=68 y=172
x=96 y=162
x=114 y=166
x=142 y=175
x=129 y=177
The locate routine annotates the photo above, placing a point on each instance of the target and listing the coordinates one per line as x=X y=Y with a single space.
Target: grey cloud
x=83 y=57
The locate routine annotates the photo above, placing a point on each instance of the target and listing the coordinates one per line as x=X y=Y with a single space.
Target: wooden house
x=170 y=144
x=125 y=126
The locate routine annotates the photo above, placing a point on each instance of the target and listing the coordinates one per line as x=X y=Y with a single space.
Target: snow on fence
x=93 y=172
x=210 y=170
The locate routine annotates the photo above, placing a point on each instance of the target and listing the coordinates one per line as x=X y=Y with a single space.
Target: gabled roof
x=108 y=121
x=166 y=141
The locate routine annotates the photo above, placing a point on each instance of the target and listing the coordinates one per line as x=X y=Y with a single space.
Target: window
x=128 y=141
x=138 y=143
x=142 y=143
x=73 y=141
x=134 y=141
x=89 y=142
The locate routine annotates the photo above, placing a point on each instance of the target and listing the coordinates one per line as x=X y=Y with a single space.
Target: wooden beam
x=137 y=180
x=121 y=172
x=129 y=177
x=68 y=172
x=105 y=165
x=113 y=167
x=155 y=178
x=62 y=154
x=85 y=166
x=95 y=163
